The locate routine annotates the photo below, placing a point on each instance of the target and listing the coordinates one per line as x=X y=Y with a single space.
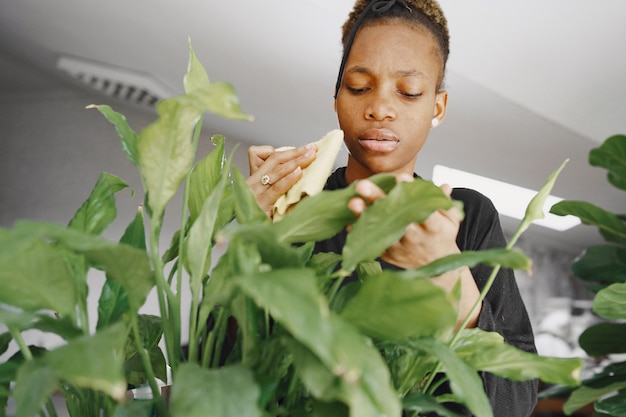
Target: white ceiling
x=531 y=83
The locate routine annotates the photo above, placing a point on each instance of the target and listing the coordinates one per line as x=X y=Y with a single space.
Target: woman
x=389 y=95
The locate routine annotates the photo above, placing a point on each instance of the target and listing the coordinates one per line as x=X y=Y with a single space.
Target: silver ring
x=265 y=180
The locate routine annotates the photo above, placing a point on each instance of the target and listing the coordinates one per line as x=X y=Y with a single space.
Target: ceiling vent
x=127 y=85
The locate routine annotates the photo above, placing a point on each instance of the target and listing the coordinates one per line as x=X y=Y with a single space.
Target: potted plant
x=604 y=268
x=303 y=344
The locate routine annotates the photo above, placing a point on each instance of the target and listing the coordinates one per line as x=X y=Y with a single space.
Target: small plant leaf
x=396 y=308
x=204 y=176
x=388 y=217
x=604 y=339
x=166 y=152
x=423 y=404
x=123 y=129
x=612 y=156
x=535 y=209
x=611 y=227
x=98 y=211
x=507 y=258
x=601 y=264
x=247 y=208
x=196 y=77
x=610 y=302
x=225 y=392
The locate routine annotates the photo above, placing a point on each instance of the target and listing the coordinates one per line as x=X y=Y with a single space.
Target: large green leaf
x=601 y=263
x=388 y=217
x=113 y=301
x=125 y=132
x=224 y=392
x=324 y=214
x=398 y=308
x=34 y=275
x=612 y=156
x=464 y=381
x=486 y=351
x=614 y=406
x=611 y=227
x=603 y=339
x=610 y=302
x=123 y=263
x=292 y=299
x=166 y=151
x=98 y=211
x=585 y=395
x=93 y=362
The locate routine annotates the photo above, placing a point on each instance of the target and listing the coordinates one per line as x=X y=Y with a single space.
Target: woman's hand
x=425 y=242
x=273 y=172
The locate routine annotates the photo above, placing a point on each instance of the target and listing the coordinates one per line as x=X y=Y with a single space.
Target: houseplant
x=603 y=267
x=303 y=344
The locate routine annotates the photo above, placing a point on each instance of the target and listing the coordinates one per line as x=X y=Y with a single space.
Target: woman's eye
x=410 y=95
x=355 y=90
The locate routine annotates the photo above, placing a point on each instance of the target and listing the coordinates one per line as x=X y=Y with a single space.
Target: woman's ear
x=439 y=112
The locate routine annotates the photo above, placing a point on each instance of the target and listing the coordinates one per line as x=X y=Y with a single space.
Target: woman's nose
x=380 y=107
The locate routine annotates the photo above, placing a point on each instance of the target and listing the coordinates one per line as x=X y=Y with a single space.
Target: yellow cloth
x=314 y=176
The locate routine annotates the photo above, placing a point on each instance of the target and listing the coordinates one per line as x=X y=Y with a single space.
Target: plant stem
x=145 y=360
x=193 y=316
x=17 y=336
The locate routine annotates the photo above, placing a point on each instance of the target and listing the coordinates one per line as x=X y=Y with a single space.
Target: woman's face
x=388 y=98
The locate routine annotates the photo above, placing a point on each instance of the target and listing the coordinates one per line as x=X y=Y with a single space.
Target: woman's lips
x=379 y=140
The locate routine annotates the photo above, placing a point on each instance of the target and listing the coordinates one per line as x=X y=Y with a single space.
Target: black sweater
x=503 y=310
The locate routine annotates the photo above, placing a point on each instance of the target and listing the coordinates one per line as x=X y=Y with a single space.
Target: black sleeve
x=503 y=310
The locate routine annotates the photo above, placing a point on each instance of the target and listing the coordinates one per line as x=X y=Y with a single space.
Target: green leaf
x=601 y=263
x=113 y=301
x=196 y=77
x=507 y=258
x=614 y=406
x=396 y=308
x=603 y=339
x=150 y=332
x=388 y=217
x=199 y=243
x=611 y=227
x=422 y=403
x=486 y=351
x=325 y=214
x=93 y=362
x=247 y=208
x=464 y=381
x=585 y=395
x=166 y=151
x=204 y=176
x=127 y=265
x=612 y=156
x=224 y=392
x=610 y=302
x=292 y=299
x=126 y=134
x=98 y=211
x=219 y=98
x=34 y=275
x=35 y=384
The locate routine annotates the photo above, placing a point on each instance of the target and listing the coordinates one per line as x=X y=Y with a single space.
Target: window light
x=510 y=200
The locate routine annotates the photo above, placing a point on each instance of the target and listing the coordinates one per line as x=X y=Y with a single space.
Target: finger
x=357 y=206
x=369 y=191
x=257 y=155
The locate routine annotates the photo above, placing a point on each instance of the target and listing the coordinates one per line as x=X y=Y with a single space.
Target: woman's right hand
x=281 y=169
